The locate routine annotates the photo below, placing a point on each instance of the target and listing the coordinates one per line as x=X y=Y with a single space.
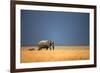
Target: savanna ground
x=60 y=53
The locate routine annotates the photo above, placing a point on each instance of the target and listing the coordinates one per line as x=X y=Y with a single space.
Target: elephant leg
x=46 y=48
x=50 y=47
x=39 y=48
x=53 y=47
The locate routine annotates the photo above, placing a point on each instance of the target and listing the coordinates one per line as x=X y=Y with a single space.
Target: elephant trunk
x=53 y=45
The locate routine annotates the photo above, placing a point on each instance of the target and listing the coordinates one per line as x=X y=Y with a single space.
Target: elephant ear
x=52 y=42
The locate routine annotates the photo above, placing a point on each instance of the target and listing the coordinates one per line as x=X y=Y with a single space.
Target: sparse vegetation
x=61 y=53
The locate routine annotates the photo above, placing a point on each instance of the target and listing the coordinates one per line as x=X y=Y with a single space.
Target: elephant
x=45 y=44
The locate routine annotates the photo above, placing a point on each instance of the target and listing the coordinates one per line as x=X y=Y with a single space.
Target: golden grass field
x=60 y=53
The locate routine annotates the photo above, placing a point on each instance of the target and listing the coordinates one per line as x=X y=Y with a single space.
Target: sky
x=64 y=28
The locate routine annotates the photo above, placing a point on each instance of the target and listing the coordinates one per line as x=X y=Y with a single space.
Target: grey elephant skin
x=46 y=44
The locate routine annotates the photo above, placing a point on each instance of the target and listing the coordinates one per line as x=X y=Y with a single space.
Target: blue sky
x=64 y=28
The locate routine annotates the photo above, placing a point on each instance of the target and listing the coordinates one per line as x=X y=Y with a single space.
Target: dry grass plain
x=61 y=53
